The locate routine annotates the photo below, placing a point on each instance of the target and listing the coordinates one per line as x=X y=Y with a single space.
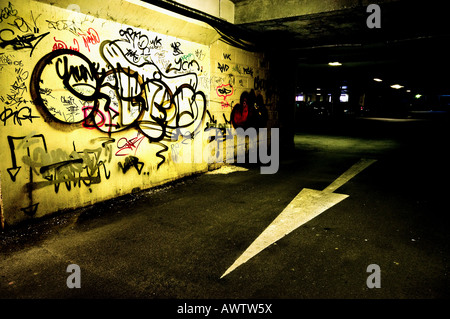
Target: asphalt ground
x=176 y=241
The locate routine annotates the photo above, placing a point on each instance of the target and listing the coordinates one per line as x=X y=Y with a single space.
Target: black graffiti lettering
x=184 y=66
x=58 y=165
x=23 y=147
x=132 y=54
x=77 y=72
x=224 y=90
x=22 y=114
x=153 y=102
x=18 y=87
x=7 y=12
x=131 y=161
x=55 y=167
x=28 y=41
x=13 y=100
x=62 y=25
x=141 y=44
x=224 y=128
x=248 y=70
x=227 y=56
x=74 y=170
x=45 y=91
x=137 y=39
x=5 y=59
x=225 y=119
x=176 y=48
x=259 y=84
x=212 y=120
x=223 y=67
x=156 y=43
x=23 y=26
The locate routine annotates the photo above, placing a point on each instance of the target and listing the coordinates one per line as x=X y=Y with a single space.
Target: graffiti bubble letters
x=128 y=95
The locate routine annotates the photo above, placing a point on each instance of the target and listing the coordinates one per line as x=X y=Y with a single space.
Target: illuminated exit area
x=371 y=81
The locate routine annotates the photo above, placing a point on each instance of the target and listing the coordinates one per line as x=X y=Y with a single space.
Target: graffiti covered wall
x=94 y=108
x=242 y=94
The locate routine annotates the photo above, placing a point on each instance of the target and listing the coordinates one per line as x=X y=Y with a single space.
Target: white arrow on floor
x=308 y=204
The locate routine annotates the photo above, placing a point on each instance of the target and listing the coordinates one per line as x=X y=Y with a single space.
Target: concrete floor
x=176 y=241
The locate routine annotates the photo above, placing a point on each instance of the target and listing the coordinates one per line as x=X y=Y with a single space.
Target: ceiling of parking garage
x=410 y=45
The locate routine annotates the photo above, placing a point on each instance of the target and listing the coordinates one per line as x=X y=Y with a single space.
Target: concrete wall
x=261 y=10
x=223 y=9
x=101 y=99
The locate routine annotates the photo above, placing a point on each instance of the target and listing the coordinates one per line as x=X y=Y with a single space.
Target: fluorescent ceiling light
x=334 y=63
x=396 y=86
x=378 y=80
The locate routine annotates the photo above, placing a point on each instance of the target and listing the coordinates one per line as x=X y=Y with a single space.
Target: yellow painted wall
x=103 y=98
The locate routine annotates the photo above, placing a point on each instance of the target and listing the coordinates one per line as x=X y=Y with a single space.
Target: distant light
x=409 y=91
x=418 y=96
x=378 y=80
x=334 y=63
x=343 y=98
x=396 y=86
x=300 y=97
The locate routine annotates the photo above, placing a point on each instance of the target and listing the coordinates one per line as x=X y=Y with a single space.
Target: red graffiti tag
x=224 y=91
x=126 y=146
x=62 y=45
x=91 y=37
